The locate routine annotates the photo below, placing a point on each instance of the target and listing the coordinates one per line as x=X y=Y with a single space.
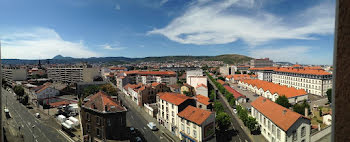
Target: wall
x=90 y=73
x=320 y=134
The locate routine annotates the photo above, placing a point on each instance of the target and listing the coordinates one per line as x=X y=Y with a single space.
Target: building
x=146 y=77
x=189 y=73
x=196 y=125
x=72 y=74
x=238 y=96
x=273 y=91
x=14 y=74
x=44 y=94
x=259 y=63
x=145 y=93
x=202 y=102
x=314 y=81
x=169 y=105
x=243 y=69
x=238 y=77
x=187 y=89
x=278 y=124
x=175 y=88
x=264 y=73
x=103 y=118
x=202 y=90
x=194 y=81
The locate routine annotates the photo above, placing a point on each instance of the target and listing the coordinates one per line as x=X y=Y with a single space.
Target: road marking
x=144 y=128
x=241 y=127
x=240 y=139
x=65 y=135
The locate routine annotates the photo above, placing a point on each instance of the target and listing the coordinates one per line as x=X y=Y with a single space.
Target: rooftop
x=174 y=98
x=194 y=114
x=101 y=102
x=202 y=99
x=235 y=93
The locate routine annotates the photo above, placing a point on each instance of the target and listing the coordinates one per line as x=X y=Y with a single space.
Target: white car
x=37 y=115
x=235 y=110
x=152 y=126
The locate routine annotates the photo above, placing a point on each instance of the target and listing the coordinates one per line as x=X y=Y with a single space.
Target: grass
x=317 y=119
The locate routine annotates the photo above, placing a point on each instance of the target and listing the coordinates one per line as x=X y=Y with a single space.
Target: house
x=175 y=88
x=103 y=118
x=221 y=82
x=202 y=102
x=229 y=78
x=202 y=89
x=238 y=77
x=195 y=124
x=279 y=124
x=186 y=88
x=238 y=96
x=44 y=94
x=145 y=93
x=273 y=91
x=169 y=105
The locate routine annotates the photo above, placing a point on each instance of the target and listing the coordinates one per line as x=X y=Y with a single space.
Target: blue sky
x=283 y=30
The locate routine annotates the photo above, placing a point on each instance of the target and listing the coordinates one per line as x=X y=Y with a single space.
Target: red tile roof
x=220 y=81
x=203 y=99
x=174 y=98
x=202 y=85
x=244 y=76
x=194 y=114
x=235 y=93
x=229 y=76
x=281 y=90
x=117 y=68
x=61 y=103
x=302 y=70
x=100 y=101
x=281 y=116
x=155 y=84
x=132 y=86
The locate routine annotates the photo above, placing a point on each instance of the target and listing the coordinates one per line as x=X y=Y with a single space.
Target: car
x=132 y=130
x=37 y=115
x=152 y=126
x=235 y=110
x=138 y=139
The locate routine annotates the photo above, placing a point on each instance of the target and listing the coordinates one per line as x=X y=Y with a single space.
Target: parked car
x=152 y=126
x=235 y=110
x=138 y=139
x=132 y=130
x=37 y=115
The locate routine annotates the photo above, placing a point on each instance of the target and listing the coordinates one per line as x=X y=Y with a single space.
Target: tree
x=329 y=95
x=212 y=95
x=237 y=72
x=252 y=123
x=109 y=89
x=19 y=91
x=223 y=121
x=221 y=78
x=232 y=102
x=187 y=93
x=218 y=107
x=300 y=108
x=283 y=101
x=90 y=90
x=25 y=100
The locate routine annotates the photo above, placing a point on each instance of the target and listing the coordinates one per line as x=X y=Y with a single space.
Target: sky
x=283 y=30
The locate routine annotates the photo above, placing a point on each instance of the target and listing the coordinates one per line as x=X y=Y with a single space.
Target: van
x=152 y=126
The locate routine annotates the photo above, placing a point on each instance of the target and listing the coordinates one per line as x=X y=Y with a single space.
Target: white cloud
x=117 y=7
x=163 y=2
x=112 y=47
x=291 y=54
x=41 y=43
x=207 y=22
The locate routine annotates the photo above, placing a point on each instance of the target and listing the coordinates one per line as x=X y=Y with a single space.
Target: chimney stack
x=284 y=111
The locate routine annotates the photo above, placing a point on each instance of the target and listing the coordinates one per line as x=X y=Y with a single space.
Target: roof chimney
x=284 y=111
x=264 y=100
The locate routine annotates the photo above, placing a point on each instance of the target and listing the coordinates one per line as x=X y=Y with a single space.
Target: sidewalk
x=147 y=116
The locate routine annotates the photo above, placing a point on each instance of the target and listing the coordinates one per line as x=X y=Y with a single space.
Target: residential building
x=194 y=81
x=145 y=93
x=44 y=94
x=264 y=73
x=243 y=69
x=202 y=89
x=273 y=91
x=14 y=74
x=186 y=88
x=195 y=124
x=259 y=63
x=169 y=105
x=238 y=96
x=103 y=118
x=314 y=81
x=189 y=73
x=146 y=77
x=175 y=88
x=72 y=74
x=202 y=102
x=238 y=77
x=279 y=124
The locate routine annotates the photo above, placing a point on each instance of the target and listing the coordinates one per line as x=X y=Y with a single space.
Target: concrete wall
x=320 y=134
x=90 y=73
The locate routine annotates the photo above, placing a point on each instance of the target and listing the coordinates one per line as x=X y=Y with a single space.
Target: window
x=273 y=130
x=172 y=120
x=98 y=132
x=188 y=123
x=172 y=113
x=88 y=116
x=98 y=120
x=188 y=130
x=278 y=134
x=194 y=134
x=87 y=127
x=182 y=127
x=269 y=125
x=303 y=131
x=194 y=126
x=295 y=135
x=108 y=122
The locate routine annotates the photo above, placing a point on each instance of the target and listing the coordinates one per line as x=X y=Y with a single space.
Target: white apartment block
x=312 y=81
x=146 y=77
x=72 y=74
x=259 y=63
x=278 y=124
x=264 y=73
x=14 y=74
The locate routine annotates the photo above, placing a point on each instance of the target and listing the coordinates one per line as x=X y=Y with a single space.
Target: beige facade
x=72 y=74
x=258 y=63
x=14 y=74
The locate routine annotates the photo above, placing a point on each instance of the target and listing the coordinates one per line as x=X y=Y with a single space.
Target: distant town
x=192 y=99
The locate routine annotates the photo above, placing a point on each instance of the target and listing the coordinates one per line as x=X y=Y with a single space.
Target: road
x=238 y=135
x=22 y=118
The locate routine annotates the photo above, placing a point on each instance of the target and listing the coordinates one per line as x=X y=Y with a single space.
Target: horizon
x=156 y=28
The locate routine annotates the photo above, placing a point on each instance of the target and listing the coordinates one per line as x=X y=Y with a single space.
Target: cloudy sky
x=296 y=31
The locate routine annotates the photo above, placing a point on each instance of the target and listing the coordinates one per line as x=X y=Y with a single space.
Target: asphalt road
x=22 y=118
x=237 y=133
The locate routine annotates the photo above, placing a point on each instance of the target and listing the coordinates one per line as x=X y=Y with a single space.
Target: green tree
x=223 y=121
x=252 y=123
x=300 y=108
x=90 y=90
x=218 y=107
x=329 y=95
x=212 y=95
x=109 y=89
x=232 y=102
x=283 y=101
x=19 y=91
x=25 y=100
x=221 y=78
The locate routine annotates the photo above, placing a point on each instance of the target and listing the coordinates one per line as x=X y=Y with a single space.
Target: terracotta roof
x=281 y=90
x=235 y=93
x=117 y=68
x=281 y=116
x=200 y=85
x=302 y=71
x=296 y=65
x=132 y=86
x=155 y=84
x=243 y=76
x=43 y=87
x=229 y=76
x=203 y=99
x=103 y=103
x=264 y=68
x=61 y=103
x=220 y=81
x=194 y=114
x=150 y=72
x=174 y=86
x=174 y=98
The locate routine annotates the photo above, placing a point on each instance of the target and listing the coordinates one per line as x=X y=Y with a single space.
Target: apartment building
x=145 y=93
x=314 y=81
x=202 y=102
x=238 y=77
x=273 y=91
x=202 y=89
x=264 y=73
x=14 y=74
x=278 y=124
x=146 y=77
x=259 y=63
x=72 y=74
x=195 y=125
x=169 y=105
x=103 y=119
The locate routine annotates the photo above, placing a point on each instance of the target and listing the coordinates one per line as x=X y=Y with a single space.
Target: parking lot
x=250 y=95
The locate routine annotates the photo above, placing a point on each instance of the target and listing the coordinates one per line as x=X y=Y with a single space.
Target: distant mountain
x=59 y=59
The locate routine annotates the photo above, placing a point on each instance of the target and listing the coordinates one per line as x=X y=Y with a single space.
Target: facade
x=14 y=74
x=198 y=72
x=187 y=88
x=202 y=89
x=202 y=102
x=259 y=63
x=103 y=119
x=145 y=93
x=273 y=91
x=238 y=96
x=312 y=81
x=194 y=81
x=278 y=124
x=169 y=105
x=195 y=124
x=243 y=68
x=264 y=73
x=72 y=74
x=44 y=94
x=238 y=77
x=146 y=77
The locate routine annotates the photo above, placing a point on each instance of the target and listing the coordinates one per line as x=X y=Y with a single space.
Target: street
x=31 y=127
